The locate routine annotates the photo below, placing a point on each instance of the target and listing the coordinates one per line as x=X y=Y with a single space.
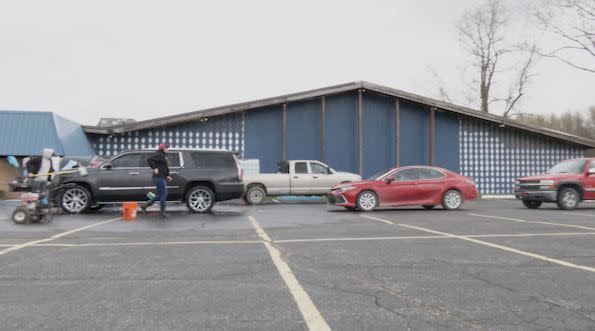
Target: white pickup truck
x=296 y=177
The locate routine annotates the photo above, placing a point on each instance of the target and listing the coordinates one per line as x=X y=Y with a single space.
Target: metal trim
x=360 y=159
x=397 y=132
x=322 y=131
x=131 y=188
x=432 y=137
x=284 y=134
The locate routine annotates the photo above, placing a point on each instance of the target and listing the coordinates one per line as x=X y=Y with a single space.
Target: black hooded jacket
x=160 y=162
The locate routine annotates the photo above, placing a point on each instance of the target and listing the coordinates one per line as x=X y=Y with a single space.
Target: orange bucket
x=129 y=211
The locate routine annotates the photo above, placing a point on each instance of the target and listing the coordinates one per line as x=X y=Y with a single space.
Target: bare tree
x=442 y=92
x=482 y=33
x=520 y=87
x=574 y=22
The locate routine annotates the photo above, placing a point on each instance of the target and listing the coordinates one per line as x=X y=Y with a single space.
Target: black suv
x=200 y=178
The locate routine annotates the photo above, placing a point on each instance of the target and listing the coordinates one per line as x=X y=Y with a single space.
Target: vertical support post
x=284 y=134
x=322 y=133
x=432 y=134
x=397 y=133
x=360 y=161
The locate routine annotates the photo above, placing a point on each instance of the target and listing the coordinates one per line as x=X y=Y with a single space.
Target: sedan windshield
x=568 y=167
x=379 y=174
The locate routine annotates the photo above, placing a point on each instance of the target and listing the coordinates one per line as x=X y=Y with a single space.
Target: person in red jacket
x=159 y=164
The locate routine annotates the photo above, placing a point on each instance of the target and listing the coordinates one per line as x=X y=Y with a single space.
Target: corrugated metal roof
x=28 y=133
x=169 y=120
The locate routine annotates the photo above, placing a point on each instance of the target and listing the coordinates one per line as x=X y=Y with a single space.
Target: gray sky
x=144 y=59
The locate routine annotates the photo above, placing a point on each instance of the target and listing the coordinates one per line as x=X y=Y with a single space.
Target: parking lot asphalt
x=493 y=265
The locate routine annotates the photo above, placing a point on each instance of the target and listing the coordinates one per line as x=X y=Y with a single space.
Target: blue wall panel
x=341 y=132
x=378 y=124
x=303 y=130
x=414 y=134
x=446 y=152
x=263 y=132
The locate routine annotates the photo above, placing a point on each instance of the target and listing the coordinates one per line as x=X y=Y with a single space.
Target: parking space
x=492 y=265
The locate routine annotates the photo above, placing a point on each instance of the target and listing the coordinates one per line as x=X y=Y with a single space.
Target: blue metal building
x=24 y=133
x=359 y=127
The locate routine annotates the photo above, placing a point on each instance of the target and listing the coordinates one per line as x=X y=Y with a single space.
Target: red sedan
x=406 y=186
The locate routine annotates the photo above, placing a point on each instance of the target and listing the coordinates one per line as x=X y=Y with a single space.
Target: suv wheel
x=367 y=201
x=452 y=200
x=75 y=199
x=255 y=195
x=568 y=198
x=200 y=199
x=532 y=204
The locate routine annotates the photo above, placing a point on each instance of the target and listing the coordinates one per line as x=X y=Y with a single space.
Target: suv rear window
x=213 y=160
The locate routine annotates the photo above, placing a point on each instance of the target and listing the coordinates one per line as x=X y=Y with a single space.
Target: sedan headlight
x=344 y=189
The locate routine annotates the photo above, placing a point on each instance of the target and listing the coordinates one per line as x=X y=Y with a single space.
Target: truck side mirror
x=107 y=166
x=591 y=171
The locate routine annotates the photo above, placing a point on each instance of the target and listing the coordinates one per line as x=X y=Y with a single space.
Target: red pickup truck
x=567 y=184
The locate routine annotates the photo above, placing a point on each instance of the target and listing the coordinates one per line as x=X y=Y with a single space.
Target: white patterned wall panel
x=495 y=157
x=222 y=132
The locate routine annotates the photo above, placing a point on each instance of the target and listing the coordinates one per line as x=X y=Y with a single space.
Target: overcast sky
x=143 y=59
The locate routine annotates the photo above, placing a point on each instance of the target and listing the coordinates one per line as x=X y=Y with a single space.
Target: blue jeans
x=161 y=186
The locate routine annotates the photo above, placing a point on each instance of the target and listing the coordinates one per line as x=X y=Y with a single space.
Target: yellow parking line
x=537 y=222
x=502 y=235
x=485 y=243
x=311 y=240
x=579 y=214
x=155 y=243
x=554 y=234
x=59 y=235
x=311 y=315
x=355 y=239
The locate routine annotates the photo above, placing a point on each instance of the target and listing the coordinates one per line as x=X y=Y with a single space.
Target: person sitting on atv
x=40 y=165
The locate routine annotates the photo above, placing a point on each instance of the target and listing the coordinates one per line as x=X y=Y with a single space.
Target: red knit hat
x=163 y=146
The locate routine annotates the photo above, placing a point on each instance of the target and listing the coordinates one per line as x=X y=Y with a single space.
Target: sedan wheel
x=367 y=201
x=452 y=200
x=75 y=199
x=200 y=199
